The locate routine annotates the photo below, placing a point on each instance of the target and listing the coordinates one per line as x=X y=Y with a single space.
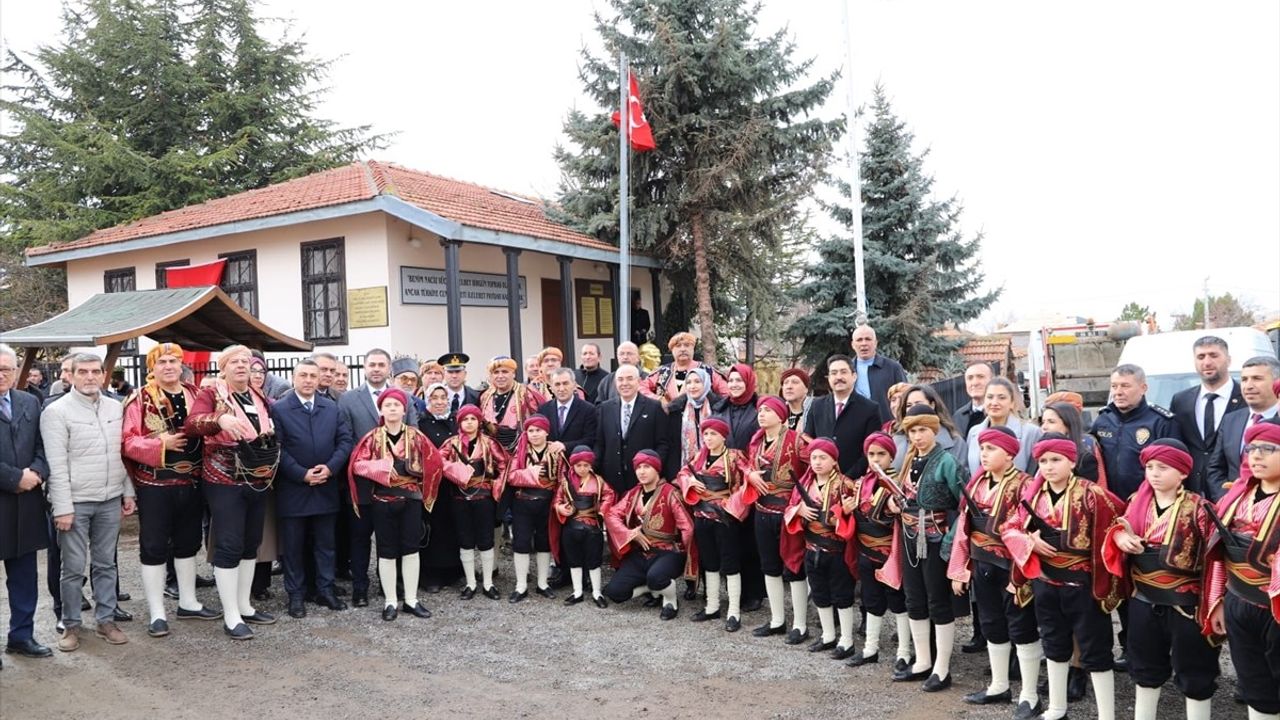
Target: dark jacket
x=881 y=375
x=470 y=396
x=1223 y=465
x=579 y=426
x=436 y=429
x=320 y=437
x=362 y=415
x=614 y=453
x=742 y=421
x=675 y=426
x=22 y=519
x=1122 y=435
x=589 y=381
x=1183 y=407
x=966 y=418
x=859 y=419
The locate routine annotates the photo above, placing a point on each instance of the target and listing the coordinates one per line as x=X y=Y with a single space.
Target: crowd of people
x=874 y=494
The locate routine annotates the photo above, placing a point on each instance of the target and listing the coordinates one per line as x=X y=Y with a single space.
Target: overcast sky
x=1110 y=151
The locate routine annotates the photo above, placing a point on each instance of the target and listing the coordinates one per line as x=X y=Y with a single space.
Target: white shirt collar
x=304 y=401
x=1225 y=391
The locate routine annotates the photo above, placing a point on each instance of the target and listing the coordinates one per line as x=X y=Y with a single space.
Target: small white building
x=376 y=255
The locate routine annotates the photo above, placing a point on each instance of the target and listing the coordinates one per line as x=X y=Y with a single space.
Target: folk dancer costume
x=781 y=462
x=830 y=557
x=718 y=509
x=478 y=467
x=666 y=383
x=238 y=470
x=1167 y=611
x=577 y=524
x=980 y=560
x=874 y=527
x=796 y=420
x=167 y=482
x=660 y=517
x=917 y=562
x=531 y=507
x=1074 y=593
x=503 y=414
x=401 y=473
x=1244 y=581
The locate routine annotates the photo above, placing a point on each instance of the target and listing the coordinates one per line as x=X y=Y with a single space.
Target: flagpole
x=855 y=179
x=624 y=230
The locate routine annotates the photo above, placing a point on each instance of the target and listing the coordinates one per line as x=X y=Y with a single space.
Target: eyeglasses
x=1263 y=450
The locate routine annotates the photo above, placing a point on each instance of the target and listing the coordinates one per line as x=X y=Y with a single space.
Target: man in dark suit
x=976 y=377
x=1256 y=380
x=627 y=424
x=1201 y=410
x=573 y=420
x=844 y=415
x=455 y=380
x=23 y=471
x=875 y=373
x=314 y=445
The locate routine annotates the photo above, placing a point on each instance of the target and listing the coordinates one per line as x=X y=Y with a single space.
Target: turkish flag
x=641 y=133
x=195 y=276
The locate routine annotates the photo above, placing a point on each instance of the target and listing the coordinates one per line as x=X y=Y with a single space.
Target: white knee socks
x=946 y=637
x=244 y=587
x=597 y=586
x=1029 y=656
x=1057 y=689
x=387 y=574
x=733 y=585
x=411 y=566
x=1104 y=691
x=713 y=593
x=1198 y=709
x=846 y=627
x=800 y=605
x=872 y=644
x=575 y=576
x=998 y=655
x=1259 y=715
x=775 y=589
x=227 y=580
x=486 y=567
x=468 y=567
x=670 y=596
x=902 y=623
x=1145 y=702
x=153 y=590
x=522 y=572
x=827 y=618
x=544 y=570
x=185 y=569
x=920 y=639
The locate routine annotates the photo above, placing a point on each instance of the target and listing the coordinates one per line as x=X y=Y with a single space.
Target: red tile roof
x=989 y=349
x=462 y=202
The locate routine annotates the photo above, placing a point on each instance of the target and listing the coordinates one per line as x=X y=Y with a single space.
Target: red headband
x=881 y=439
x=716 y=424
x=825 y=446
x=469 y=411
x=584 y=455
x=774 y=403
x=1177 y=459
x=1061 y=446
x=1002 y=440
x=1264 y=431
x=647 y=457
x=393 y=394
x=537 y=421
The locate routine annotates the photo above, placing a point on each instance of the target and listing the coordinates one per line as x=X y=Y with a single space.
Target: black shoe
x=416 y=610
x=574 y=599
x=28 y=648
x=339 y=591
x=260 y=618
x=703 y=616
x=843 y=653
x=204 y=581
x=158 y=628
x=982 y=698
x=123 y=597
x=600 y=601
x=261 y=595
x=907 y=675
x=766 y=630
x=651 y=601
x=861 y=660
x=820 y=646
x=328 y=600
x=733 y=624
x=752 y=605
x=1077 y=684
x=389 y=613
x=690 y=591
x=122 y=615
x=933 y=684
x=433 y=588
x=360 y=598
x=545 y=592
x=903 y=665
x=203 y=613
x=795 y=637
x=1027 y=711
x=468 y=593
x=171 y=590
x=239 y=632
x=85 y=605
x=490 y=592
x=297 y=608
x=516 y=597
x=668 y=613
x=977 y=645
x=1121 y=663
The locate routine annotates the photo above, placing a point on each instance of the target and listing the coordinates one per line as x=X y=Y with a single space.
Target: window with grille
x=240 y=279
x=162 y=275
x=324 y=280
x=122 y=280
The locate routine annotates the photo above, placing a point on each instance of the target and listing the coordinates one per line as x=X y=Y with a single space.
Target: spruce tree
x=921 y=271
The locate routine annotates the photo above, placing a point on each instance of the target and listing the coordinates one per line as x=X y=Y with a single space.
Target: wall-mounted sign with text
x=426 y=286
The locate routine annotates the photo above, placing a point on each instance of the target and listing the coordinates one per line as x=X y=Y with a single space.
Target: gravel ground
x=480 y=658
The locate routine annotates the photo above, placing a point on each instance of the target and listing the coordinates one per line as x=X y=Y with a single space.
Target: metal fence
x=134 y=368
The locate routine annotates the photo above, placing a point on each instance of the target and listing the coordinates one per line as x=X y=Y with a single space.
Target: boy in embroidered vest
x=580 y=504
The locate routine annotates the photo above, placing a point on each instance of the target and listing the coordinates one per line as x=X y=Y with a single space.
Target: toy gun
x=1228 y=539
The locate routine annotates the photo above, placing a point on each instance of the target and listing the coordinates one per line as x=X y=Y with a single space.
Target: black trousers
x=581 y=545
x=529 y=530
x=654 y=570
x=928 y=590
x=238 y=512
x=1254 y=638
x=1002 y=620
x=830 y=582
x=768 y=540
x=1164 y=642
x=359 y=544
x=397 y=527
x=169 y=522
x=877 y=598
x=1066 y=612
x=749 y=559
x=717 y=541
x=473 y=521
x=297 y=535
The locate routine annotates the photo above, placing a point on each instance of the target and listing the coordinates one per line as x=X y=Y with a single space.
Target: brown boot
x=70 y=640
x=112 y=634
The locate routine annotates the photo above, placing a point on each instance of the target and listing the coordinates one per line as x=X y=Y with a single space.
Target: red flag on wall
x=641 y=133
x=195 y=276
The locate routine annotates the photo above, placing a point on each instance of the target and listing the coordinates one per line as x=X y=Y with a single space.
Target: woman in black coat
x=439 y=554
x=738 y=409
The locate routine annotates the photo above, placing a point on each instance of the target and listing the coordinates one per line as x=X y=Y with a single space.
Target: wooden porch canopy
x=197 y=318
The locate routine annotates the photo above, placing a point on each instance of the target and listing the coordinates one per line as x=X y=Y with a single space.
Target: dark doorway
x=552 y=315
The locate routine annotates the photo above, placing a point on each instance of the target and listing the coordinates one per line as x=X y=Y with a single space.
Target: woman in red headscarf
x=536 y=469
x=738 y=407
x=477 y=465
x=580 y=504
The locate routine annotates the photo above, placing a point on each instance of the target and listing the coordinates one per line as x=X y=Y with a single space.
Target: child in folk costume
x=402 y=469
x=821 y=511
x=718 y=498
x=1055 y=540
x=577 y=521
x=535 y=471
x=874 y=534
x=1244 y=572
x=1159 y=544
x=979 y=559
x=773 y=463
x=477 y=464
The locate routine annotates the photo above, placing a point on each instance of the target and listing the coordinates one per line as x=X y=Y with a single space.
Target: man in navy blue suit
x=573 y=420
x=315 y=442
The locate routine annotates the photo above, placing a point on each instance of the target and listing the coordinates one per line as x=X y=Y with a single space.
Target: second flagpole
x=623 y=293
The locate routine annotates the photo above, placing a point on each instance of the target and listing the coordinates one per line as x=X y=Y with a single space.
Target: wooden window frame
x=162 y=279
x=308 y=332
x=253 y=285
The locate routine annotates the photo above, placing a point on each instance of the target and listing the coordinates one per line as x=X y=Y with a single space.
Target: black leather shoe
x=331 y=602
x=123 y=597
x=1027 y=711
x=389 y=613
x=203 y=613
x=933 y=684
x=1077 y=684
x=122 y=615
x=158 y=628
x=491 y=592
x=703 y=616
x=977 y=645
x=906 y=675
x=861 y=660
x=843 y=653
x=600 y=601
x=795 y=637
x=651 y=601
x=239 y=632
x=28 y=648
x=297 y=608
x=819 y=646
x=903 y=665
x=545 y=592
x=468 y=593
x=516 y=597
x=733 y=624
x=574 y=599
x=261 y=595
x=416 y=610
x=260 y=618
x=205 y=581
x=360 y=598
x=668 y=613
x=171 y=591
x=433 y=588
x=752 y=605
x=766 y=630
x=690 y=591
x=982 y=698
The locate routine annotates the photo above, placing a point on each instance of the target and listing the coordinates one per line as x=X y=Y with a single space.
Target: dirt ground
x=479 y=658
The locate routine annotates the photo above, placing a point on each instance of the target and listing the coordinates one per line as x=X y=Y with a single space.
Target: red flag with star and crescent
x=641 y=133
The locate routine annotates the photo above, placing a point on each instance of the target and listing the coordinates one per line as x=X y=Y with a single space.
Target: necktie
x=453 y=404
x=376 y=393
x=307 y=406
x=626 y=417
x=5 y=412
x=839 y=408
x=1209 y=415
x=564 y=410
x=1254 y=419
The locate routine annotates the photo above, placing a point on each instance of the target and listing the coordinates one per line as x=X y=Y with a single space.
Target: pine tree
x=920 y=269
x=1224 y=311
x=1133 y=312
x=737 y=151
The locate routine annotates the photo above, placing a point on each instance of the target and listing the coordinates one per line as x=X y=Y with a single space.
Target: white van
x=1168 y=360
